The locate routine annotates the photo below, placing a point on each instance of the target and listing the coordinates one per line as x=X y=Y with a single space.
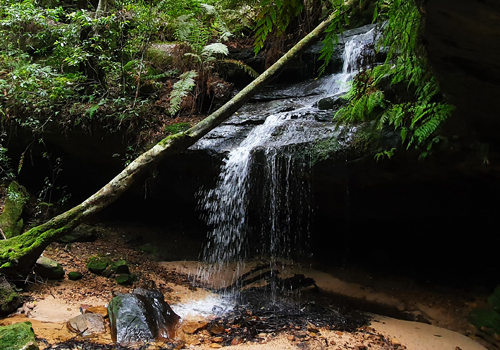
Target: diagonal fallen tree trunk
x=19 y=254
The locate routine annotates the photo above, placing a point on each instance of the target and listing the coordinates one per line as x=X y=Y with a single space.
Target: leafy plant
x=180 y=90
x=415 y=106
x=274 y=15
x=6 y=171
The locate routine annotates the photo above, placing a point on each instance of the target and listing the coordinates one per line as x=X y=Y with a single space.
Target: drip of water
x=281 y=189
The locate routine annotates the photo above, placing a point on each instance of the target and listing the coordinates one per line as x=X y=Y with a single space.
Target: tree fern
x=180 y=90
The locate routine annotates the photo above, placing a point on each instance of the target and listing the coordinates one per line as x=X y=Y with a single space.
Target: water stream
x=260 y=205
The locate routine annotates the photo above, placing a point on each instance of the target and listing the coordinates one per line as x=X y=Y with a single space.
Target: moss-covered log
x=19 y=254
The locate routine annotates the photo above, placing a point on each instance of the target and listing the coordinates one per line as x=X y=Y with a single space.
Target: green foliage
x=275 y=15
x=177 y=127
x=415 y=106
x=6 y=171
x=69 y=65
x=180 y=90
x=334 y=29
x=245 y=67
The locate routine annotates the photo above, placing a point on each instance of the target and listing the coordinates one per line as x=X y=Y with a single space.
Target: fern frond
x=245 y=67
x=158 y=76
x=215 y=49
x=181 y=89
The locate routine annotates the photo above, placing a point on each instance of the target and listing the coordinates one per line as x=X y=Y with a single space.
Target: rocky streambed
x=323 y=315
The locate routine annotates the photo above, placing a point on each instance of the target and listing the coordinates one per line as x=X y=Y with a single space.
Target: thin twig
x=3 y=235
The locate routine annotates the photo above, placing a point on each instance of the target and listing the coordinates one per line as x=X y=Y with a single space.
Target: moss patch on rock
x=75 y=276
x=18 y=336
x=120 y=267
x=125 y=279
x=49 y=268
x=97 y=265
x=11 y=221
x=10 y=300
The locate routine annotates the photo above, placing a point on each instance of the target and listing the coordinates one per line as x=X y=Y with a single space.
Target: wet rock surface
x=259 y=313
x=141 y=316
x=87 y=325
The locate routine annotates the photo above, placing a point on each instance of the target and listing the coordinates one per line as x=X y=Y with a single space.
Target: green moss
x=125 y=279
x=75 y=275
x=177 y=127
x=10 y=300
x=11 y=221
x=158 y=57
x=97 y=265
x=18 y=336
x=323 y=149
x=120 y=267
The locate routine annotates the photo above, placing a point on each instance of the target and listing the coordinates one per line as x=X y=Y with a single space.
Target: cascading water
x=269 y=152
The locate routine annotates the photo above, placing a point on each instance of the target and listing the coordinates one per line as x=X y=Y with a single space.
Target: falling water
x=282 y=185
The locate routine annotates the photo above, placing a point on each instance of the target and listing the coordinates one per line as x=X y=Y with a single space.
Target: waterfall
x=264 y=166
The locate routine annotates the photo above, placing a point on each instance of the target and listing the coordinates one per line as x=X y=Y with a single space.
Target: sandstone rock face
x=463 y=43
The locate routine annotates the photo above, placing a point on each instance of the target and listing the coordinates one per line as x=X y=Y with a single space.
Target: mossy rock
x=18 y=336
x=75 y=275
x=11 y=221
x=116 y=268
x=49 y=268
x=97 y=265
x=161 y=54
x=120 y=267
x=125 y=279
x=10 y=300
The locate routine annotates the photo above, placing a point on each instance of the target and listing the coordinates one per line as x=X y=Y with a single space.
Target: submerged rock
x=141 y=316
x=49 y=268
x=87 y=325
x=18 y=336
